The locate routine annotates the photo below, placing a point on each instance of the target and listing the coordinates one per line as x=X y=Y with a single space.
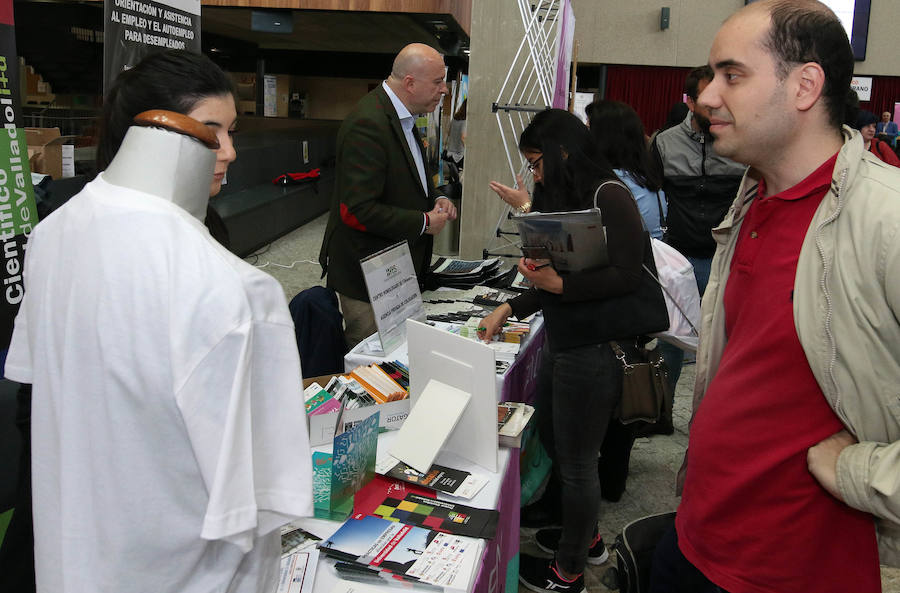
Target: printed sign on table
x=394 y=293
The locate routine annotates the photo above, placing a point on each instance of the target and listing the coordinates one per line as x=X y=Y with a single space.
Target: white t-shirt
x=168 y=434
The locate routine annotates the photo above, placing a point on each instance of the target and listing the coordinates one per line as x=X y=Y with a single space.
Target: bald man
x=383 y=190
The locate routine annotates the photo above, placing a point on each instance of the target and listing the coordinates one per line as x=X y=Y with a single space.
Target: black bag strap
x=646 y=269
x=663 y=225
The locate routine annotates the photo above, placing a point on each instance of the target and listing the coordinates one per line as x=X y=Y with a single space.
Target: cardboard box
x=49 y=153
x=322 y=426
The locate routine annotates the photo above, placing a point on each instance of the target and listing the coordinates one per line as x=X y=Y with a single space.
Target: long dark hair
x=620 y=137
x=175 y=80
x=572 y=165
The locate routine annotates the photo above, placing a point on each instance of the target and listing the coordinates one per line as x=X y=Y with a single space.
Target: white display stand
x=429 y=424
x=468 y=365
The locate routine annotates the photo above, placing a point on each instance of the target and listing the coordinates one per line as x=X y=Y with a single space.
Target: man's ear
x=810 y=85
x=691 y=104
x=408 y=82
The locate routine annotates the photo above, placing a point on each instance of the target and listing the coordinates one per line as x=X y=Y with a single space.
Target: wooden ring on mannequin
x=179 y=123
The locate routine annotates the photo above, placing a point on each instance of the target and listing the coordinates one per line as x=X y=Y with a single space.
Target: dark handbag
x=645 y=386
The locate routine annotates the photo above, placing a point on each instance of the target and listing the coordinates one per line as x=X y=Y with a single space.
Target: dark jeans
x=578 y=390
x=673 y=573
x=674 y=357
x=702 y=269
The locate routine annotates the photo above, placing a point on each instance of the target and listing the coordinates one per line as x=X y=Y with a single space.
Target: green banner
x=18 y=213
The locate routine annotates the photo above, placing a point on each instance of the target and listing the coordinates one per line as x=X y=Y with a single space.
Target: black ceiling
x=63 y=41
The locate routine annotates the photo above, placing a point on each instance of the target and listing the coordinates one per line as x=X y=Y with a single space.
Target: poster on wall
x=18 y=214
x=134 y=28
x=863 y=87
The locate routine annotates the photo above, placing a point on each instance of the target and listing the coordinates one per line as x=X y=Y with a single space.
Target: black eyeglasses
x=533 y=164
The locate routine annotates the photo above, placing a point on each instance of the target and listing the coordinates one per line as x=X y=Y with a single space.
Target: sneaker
x=542 y=576
x=548 y=541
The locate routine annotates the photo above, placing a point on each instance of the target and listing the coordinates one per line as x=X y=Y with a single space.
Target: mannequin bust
x=168 y=155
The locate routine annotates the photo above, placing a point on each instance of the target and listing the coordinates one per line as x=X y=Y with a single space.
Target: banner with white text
x=18 y=214
x=134 y=28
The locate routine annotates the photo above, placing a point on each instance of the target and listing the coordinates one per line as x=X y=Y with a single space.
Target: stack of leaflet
x=395 y=553
x=318 y=401
x=379 y=384
x=459 y=273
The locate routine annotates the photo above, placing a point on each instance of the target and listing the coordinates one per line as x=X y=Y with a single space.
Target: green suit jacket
x=378 y=198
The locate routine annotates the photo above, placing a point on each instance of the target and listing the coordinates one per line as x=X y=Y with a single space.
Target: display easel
x=537 y=80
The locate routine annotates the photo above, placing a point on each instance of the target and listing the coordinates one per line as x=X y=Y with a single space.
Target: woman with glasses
x=580 y=379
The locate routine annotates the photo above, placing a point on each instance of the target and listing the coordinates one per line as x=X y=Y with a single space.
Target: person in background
x=676 y=115
x=699 y=185
x=456 y=139
x=383 y=190
x=887 y=129
x=619 y=133
x=794 y=450
x=127 y=100
x=168 y=441
x=620 y=137
x=580 y=381
x=865 y=123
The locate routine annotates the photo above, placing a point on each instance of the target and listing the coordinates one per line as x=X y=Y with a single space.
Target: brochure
x=444 y=479
x=573 y=241
x=440 y=515
x=406 y=551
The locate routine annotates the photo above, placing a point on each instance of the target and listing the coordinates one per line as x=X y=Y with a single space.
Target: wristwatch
x=524 y=207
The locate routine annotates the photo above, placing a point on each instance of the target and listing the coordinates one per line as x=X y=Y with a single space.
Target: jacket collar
x=394 y=119
x=845 y=168
x=688 y=129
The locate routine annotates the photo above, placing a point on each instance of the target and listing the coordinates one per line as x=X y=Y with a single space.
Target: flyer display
x=393 y=292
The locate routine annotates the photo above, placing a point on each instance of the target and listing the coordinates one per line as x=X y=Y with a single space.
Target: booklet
x=298 y=572
x=440 y=515
x=338 y=476
x=406 y=551
x=573 y=241
x=444 y=479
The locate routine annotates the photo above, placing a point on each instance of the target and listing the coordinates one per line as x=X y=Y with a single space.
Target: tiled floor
x=292 y=261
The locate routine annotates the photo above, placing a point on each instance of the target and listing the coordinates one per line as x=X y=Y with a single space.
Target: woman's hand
x=541 y=274
x=491 y=324
x=516 y=197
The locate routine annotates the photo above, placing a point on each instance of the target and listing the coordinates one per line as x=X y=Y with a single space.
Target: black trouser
x=17 y=550
x=578 y=390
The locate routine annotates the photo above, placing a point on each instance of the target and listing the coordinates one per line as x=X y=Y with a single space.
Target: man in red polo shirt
x=794 y=451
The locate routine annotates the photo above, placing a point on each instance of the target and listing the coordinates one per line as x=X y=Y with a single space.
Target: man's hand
x=822 y=459
x=437 y=218
x=445 y=205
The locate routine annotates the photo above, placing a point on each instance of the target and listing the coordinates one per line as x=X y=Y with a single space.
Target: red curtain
x=650 y=90
x=885 y=92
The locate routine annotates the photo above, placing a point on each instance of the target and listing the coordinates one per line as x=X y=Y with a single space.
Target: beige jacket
x=847 y=315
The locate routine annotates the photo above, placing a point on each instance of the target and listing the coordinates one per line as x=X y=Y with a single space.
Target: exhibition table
x=499 y=566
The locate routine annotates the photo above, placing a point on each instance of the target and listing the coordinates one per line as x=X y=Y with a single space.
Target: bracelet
x=427 y=222
x=524 y=207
